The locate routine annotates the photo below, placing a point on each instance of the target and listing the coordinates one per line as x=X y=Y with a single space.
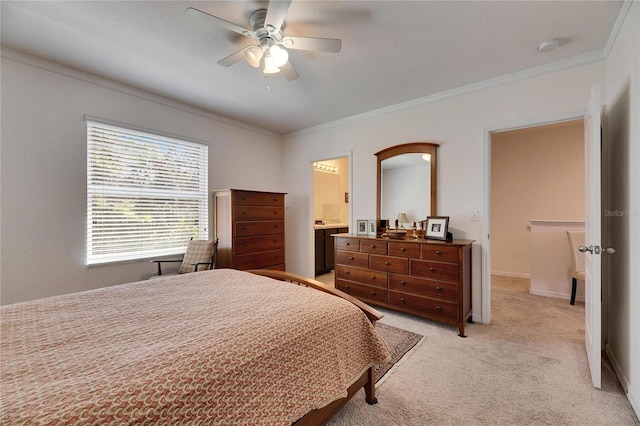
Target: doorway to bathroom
x=330 y=211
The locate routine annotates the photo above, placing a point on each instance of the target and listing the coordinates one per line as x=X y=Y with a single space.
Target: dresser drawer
x=350 y=258
x=389 y=264
x=259 y=260
x=404 y=250
x=424 y=305
x=279 y=267
x=439 y=252
x=364 y=276
x=351 y=244
x=363 y=292
x=373 y=246
x=435 y=270
x=423 y=287
x=259 y=213
x=246 y=245
x=246 y=229
x=251 y=198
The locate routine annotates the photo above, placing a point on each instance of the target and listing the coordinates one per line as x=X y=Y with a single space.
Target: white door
x=592 y=248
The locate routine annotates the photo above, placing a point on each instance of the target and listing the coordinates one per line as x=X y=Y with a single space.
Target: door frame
x=485 y=296
x=311 y=271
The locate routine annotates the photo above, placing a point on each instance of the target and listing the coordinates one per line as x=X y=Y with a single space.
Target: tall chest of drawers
x=425 y=278
x=249 y=226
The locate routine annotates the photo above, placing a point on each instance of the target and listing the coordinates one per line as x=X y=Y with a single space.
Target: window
x=146 y=194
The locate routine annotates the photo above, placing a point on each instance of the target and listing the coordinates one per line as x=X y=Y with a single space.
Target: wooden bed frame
x=367 y=380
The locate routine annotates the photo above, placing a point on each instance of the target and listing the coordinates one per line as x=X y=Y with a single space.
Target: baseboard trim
x=511 y=274
x=634 y=400
x=554 y=294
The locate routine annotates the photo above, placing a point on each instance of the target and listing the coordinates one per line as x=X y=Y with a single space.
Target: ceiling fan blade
x=288 y=71
x=221 y=22
x=310 y=43
x=233 y=58
x=276 y=12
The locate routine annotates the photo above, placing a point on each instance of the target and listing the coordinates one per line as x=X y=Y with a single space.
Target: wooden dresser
x=431 y=279
x=250 y=229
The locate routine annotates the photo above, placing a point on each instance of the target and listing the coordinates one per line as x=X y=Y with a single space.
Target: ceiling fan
x=267 y=26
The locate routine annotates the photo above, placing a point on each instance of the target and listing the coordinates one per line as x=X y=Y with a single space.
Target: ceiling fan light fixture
x=280 y=56
x=253 y=55
x=269 y=65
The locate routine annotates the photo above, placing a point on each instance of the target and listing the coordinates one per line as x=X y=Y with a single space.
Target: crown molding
x=576 y=61
x=617 y=26
x=34 y=61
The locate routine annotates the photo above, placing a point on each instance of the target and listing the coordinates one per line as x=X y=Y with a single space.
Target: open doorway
x=536 y=195
x=330 y=211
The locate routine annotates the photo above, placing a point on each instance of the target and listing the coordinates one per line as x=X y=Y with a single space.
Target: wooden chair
x=200 y=255
x=576 y=239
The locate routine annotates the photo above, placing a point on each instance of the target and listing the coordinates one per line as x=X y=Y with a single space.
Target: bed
x=214 y=347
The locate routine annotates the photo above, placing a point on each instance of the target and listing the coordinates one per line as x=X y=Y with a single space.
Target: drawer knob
x=347 y=273
x=244 y=198
x=432 y=269
x=347 y=244
x=403 y=249
x=438 y=252
x=275 y=226
x=387 y=263
x=438 y=288
x=438 y=308
x=351 y=258
x=373 y=277
x=373 y=293
x=402 y=299
x=347 y=287
x=245 y=227
x=372 y=246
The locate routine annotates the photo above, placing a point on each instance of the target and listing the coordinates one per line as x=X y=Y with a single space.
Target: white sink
x=331 y=225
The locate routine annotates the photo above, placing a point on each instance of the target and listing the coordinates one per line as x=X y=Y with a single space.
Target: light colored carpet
x=528 y=367
x=399 y=342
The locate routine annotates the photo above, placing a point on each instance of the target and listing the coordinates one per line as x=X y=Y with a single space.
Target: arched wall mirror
x=407 y=182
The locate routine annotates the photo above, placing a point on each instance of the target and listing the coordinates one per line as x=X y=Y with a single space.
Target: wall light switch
x=475 y=216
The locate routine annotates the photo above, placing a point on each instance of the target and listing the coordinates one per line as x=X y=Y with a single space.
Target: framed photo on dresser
x=373 y=228
x=437 y=228
x=362 y=227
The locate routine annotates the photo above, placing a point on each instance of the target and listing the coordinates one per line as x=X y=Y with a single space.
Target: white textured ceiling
x=392 y=51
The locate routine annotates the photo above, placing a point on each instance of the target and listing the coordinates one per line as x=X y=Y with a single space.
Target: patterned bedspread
x=214 y=347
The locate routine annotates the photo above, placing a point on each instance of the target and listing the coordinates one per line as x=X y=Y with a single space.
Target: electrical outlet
x=475 y=216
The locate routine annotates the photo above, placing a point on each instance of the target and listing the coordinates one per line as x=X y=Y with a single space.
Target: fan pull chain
x=266 y=81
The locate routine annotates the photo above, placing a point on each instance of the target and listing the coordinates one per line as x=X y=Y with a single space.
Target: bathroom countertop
x=331 y=225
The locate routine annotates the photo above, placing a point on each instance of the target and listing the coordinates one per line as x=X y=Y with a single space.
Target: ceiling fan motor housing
x=256 y=20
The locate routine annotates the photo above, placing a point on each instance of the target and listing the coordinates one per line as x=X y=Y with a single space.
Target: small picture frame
x=362 y=227
x=373 y=228
x=437 y=228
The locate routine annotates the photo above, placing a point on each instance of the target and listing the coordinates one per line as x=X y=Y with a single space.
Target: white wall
x=44 y=173
x=458 y=123
x=622 y=157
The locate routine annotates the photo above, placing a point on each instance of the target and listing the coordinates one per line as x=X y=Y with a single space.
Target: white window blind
x=146 y=194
